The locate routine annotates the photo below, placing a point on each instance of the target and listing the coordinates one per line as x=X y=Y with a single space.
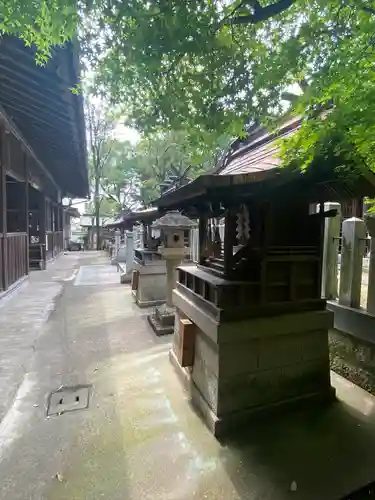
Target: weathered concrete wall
x=353 y=358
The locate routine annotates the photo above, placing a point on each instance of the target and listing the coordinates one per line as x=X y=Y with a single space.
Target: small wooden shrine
x=251 y=325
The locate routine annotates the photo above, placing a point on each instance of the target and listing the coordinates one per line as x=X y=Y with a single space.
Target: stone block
x=207 y=350
x=233 y=360
x=315 y=345
x=279 y=351
x=206 y=382
x=269 y=387
x=151 y=289
x=279 y=325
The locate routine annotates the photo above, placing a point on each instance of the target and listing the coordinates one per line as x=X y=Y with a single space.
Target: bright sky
x=124 y=133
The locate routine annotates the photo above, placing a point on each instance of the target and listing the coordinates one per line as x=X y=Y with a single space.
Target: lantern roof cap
x=173 y=220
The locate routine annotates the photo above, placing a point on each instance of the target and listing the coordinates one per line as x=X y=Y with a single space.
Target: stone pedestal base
x=250 y=368
x=143 y=304
x=152 y=284
x=162 y=320
x=225 y=424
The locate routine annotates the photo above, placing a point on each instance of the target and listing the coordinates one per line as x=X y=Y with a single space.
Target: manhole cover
x=68 y=399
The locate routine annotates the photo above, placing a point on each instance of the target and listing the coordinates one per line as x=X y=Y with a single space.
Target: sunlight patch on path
x=97 y=275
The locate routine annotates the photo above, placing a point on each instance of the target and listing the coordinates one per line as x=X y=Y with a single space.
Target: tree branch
x=262 y=13
x=290 y=97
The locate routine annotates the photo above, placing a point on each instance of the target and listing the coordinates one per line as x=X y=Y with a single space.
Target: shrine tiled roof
x=258 y=152
x=127 y=220
x=251 y=168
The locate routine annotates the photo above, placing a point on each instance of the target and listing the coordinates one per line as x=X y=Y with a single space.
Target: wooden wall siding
x=17 y=248
x=16 y=165
x=16 y=154
x=35 y=176
x=24 y=187
x=16 y=206
x=41 y=181
x=54 y=244
x=352 y=208
x=2 y=284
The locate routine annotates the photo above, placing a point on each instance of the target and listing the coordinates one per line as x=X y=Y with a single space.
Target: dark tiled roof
x=258 y=152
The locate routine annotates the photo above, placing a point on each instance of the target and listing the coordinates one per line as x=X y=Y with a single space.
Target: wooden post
x=3 y=165
x=229 y=237
x=353 y=246
x=202 y=235
x=264 y=244
x=26 y=201
x=42 y=228
x=61 y=227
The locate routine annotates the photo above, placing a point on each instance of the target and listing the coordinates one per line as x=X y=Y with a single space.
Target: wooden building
x=43 y=155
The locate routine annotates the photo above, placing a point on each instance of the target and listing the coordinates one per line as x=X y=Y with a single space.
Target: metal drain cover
x=68 y=399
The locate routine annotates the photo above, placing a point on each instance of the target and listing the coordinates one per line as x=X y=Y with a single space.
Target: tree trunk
x=97 y=211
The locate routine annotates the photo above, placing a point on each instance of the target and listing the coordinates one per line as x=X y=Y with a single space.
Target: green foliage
x=208 y=67
x=43 y=23
x=161 y=157
x=340 y=97
x=120 y=181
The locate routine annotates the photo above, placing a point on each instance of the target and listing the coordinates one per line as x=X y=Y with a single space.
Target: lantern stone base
x=254 y=367
x=152 y=284
x=162 y=320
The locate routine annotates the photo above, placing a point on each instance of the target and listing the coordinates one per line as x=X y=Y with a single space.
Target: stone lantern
x=172 y=227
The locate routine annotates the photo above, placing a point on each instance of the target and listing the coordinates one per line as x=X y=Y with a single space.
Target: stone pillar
x=370 y=224
x=353 y=247
x=172 y=265
x=129 y=244
x=116 y=245
x=117 y=240
x=126 y=277
x=330 y=252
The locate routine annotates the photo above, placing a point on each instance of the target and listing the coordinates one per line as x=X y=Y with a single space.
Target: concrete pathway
x=139 y=438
